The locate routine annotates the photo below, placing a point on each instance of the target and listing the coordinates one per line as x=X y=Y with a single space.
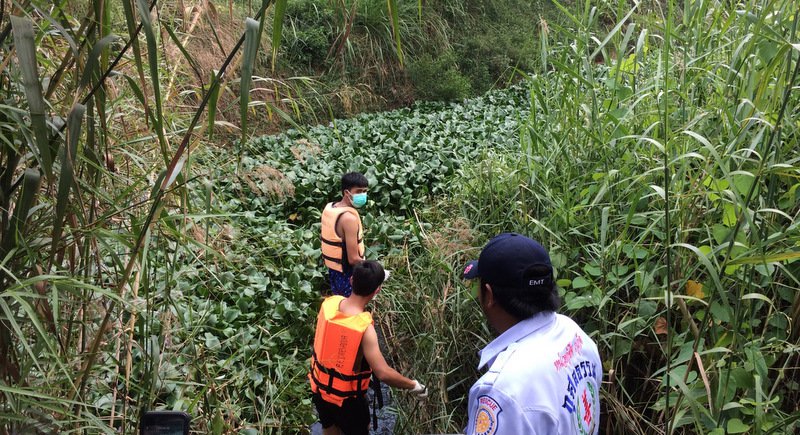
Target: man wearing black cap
x=544 y=372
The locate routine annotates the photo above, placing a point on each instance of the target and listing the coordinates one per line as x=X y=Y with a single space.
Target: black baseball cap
x=512 y=260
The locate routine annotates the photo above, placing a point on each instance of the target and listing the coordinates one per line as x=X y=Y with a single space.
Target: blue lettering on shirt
x=580 y=371
x=571 y=386
x=569 y=405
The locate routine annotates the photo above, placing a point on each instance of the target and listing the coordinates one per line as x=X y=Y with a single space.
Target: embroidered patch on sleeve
x=486 y=418
x=582 y=398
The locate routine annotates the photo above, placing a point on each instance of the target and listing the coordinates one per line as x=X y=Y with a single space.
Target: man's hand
x=420 y=390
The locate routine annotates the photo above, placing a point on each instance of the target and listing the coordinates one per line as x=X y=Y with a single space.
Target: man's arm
x=348 y=229
x=380 y=368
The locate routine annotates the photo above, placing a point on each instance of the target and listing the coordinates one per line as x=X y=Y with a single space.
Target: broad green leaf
x=736 y=425
x=217 y=424
x=25 y=47
x=277 y=29
x=580 y=282
x=564 y=282
x=592 y=270
x=729 y=215
x=720 y=233
x=67 y=177
x=743 y=181
x=248 y=60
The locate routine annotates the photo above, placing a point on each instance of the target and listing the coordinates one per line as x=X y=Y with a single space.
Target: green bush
x=308 y=33
x=247 y=321
x=438 y=78
x=492 y=38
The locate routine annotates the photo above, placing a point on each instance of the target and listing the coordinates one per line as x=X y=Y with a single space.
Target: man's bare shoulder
x=349 y=221
x=370 y=336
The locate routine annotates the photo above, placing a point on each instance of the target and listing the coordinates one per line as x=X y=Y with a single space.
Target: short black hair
x=523 y=303
x=354 y=179
x=368 y=275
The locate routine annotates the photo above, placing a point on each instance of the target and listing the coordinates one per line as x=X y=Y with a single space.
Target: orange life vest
x=334 y=250
x=336 y=361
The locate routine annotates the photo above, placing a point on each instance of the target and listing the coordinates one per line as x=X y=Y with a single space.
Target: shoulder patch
x=486 y=418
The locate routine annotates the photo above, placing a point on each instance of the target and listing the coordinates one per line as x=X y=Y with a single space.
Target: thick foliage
x=664 y=183
x=408 y=154
x=249 y=318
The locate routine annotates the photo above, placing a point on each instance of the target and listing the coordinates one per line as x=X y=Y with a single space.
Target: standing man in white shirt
x=544 y=372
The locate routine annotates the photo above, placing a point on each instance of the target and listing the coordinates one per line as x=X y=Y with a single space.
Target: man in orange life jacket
x=346 y=353
x=342 y=234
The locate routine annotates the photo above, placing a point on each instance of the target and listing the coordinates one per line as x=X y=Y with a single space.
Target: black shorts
x=352 y=417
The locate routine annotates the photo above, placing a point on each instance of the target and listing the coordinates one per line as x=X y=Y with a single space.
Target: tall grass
x=654 y=144
x=95 y=229
x=659 y=165
x=121 y=287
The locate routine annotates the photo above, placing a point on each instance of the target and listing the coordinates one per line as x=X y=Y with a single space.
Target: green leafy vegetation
x=489 y=42
x=664 y=183
x=408 y=154
x=274 y=204
x=439 y=78
x=654 y=152
x=450 y=50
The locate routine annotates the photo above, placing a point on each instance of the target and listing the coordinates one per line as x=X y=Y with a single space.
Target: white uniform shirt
x=544 y=378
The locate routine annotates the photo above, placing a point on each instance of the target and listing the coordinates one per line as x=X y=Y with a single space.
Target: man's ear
x=488 y=296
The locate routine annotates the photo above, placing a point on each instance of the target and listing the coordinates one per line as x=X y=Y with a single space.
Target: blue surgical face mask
x=359 y=199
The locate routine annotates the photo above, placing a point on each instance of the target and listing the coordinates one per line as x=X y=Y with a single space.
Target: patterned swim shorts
x=340 y=282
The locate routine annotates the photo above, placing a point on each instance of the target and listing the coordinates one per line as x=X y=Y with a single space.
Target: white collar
x=514 y=334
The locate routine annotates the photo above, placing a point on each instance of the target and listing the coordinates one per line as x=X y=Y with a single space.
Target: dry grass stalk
x=266 y=180
x=455 y=238
x=304 y=149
